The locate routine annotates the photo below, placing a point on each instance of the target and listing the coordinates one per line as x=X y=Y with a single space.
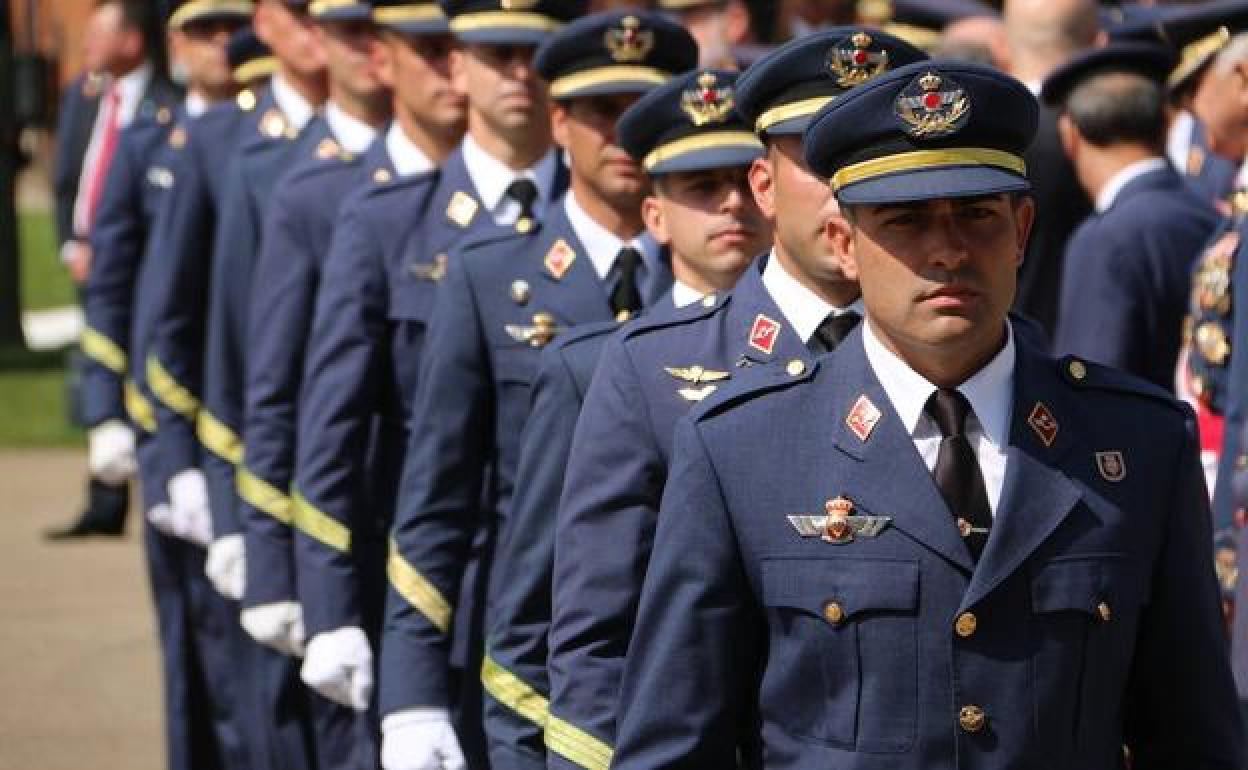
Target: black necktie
x=957 y=471
x=833 y=329
x=523 y=191
x=625 y=298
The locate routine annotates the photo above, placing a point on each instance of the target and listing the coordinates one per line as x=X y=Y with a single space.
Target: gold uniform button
x=1078 y=370
x=381 y=175
x=966 y=624
x=833 y=613
x=972 y=718
x=795 y=367
x=1105 y=613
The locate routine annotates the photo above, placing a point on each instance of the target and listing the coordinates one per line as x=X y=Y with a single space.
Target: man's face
x=200 y=47
x=501 y=85
x=292 y=37
x=417 y=68
x=348 y=45
x=710 y=221
x=585 y=128
x=799 y=206
x=107 y=43
x=938 y=275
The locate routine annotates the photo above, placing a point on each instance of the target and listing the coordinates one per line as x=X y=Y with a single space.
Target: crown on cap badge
x=853 y=62
x=707 y=102
x=932 y=106
x=630 y=41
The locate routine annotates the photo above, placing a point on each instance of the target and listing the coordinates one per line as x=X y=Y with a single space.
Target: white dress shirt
x=602 y=246
x=990 y=392
x=297 y=110
x=408 y=159
x=353 y=134
x=1179 y=140
x=684 y=295
x=802 y=308
x=491 y=178
x=129 y=89
x=1127 y=174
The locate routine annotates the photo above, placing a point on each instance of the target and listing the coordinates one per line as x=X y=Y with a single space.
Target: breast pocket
x=843 y=668
x=1085 y=610
x=411 y=303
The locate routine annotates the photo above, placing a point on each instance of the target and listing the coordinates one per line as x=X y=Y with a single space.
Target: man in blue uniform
x=690 y=141
x=938 y=547
x=504 y=297
x=795 y=302
x=1126 y=271
x=204 y=726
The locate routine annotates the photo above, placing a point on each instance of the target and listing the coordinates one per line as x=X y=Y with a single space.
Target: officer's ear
x=763 y=184
x=1068 y=134
x=839 y=230
x=655 y=218
x=1024 y=218
x=559 y=123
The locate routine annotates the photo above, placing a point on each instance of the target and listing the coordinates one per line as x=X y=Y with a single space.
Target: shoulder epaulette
x=695 y=311
x=753 y=382
x=1086 y=375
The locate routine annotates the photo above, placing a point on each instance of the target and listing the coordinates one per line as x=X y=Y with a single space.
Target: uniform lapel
x=893 y=480
x=765 y=334
x=571 y=290
x=1036 y=496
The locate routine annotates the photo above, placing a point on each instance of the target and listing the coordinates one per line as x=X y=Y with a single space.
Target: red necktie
x=104 y=158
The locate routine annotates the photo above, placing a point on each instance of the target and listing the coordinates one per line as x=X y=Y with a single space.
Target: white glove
x=188 y=497
x=226 y=565
x=161 y=517
x=339 y=666
x=278 y=625
x=420 y=739
x=110 y=452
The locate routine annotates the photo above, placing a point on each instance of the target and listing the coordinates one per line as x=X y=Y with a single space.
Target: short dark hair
x=1119 y=108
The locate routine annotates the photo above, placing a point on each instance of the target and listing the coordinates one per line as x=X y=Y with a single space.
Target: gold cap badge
x=630 y=41
x=708 y=102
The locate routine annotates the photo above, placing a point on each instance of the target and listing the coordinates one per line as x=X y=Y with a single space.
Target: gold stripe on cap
x=783 y=112
x=196 y=8
x=318 y=7
x=471 y=22
x=261 y=67
x=925 y=159
x=413 y=12
x=568 y=84
x=1196 y=53
x=709 y=141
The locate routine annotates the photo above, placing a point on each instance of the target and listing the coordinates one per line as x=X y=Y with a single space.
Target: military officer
x=940 y=546
x=793 y=303
x=203 y=202
x=504 y=297
x=690 y=141
x=251 y=61
x=204 y=719
x=1126 y=271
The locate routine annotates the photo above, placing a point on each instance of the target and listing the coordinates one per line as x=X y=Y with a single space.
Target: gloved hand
x=339 y=666
x=110 y=452
x=278 y=625
x=188 y=497
x=161 y=517
x=225 y=566
x=420 y=739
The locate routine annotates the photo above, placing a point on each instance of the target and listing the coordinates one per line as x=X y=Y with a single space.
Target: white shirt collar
x=195 y=104
x=352 y=133
x=990 y=391
x=1125 y=175
x=297 y=110
x=803 y=308
x=683 y=294
x=491 y=176
x=601 y=245
x=1179 y=139
x=130 y=88
x=408 y=159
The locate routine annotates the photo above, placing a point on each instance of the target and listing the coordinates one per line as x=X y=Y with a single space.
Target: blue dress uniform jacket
x=503 y=298
x=1210 y=174
x=891 y=650
x=1126 y=277
x=649 y=376
x=518 y=608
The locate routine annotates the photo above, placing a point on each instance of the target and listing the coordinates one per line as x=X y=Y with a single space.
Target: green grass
x=33 y=406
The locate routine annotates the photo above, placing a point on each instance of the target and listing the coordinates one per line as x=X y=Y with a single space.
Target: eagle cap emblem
x=630 y=41
x=853 y=62
x=933 y=106
x=708 y=101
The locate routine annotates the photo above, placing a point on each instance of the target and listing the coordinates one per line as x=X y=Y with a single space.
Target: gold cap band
x=928 y=159
x=472 y=22
x=318 y=7
x=255 y=69
x=568 y=84
x=783 y=112
x=1195 y=54
x=196 y=8
x=708 y=141
x=415 y=12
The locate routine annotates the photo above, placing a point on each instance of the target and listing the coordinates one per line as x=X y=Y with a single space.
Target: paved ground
x=79 y=684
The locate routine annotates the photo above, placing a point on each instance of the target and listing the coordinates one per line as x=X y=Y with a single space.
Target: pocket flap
x=1082 y=584
x=857 y=585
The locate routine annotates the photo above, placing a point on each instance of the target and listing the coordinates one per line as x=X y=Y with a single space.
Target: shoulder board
x=753 y=382
x=696 y=311
x=1086 y=375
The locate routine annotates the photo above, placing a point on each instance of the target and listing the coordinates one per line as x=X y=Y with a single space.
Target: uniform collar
x=989 y=391
x=1179 y=139
x=803 y=308
x=352 y=133
x=684 y=294
x=1127 y=174
x=491 y=177
x=297 y=110
x=601 y=245
x=407 y=158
